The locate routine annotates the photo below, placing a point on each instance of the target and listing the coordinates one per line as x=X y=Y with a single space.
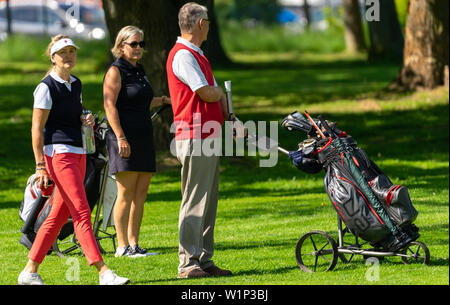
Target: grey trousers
x=199 y=189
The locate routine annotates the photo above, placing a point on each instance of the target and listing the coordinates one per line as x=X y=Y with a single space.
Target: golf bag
x=370 y=205
x=35 y=208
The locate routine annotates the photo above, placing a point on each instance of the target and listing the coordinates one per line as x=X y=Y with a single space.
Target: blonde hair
x=123 y=35
x=189 y=15
x=49 y=47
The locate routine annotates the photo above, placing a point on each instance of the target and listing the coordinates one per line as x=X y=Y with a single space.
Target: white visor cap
x=60 y=44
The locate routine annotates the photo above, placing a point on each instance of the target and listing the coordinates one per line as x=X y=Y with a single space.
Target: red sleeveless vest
x=187 y=105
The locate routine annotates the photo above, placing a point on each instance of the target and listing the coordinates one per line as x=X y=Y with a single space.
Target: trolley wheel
x=316 y=251
x=416 y=252
x=55 y=248
x=65 y=246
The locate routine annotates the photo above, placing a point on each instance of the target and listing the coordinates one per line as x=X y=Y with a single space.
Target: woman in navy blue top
x=128 y=97
x=57 y=146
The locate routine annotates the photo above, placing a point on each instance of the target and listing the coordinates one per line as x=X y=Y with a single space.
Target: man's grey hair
x=189 y=15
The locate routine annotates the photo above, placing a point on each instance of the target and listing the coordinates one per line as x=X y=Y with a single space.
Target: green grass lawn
x=262 y=211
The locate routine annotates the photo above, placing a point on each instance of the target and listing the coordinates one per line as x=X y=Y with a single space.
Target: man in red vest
x=199 y=107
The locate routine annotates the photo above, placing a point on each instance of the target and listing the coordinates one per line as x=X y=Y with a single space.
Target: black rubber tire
x=316 y=251
x=416 y=252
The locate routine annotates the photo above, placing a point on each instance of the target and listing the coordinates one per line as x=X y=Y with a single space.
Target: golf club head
x=295 y=121
x=298 y=116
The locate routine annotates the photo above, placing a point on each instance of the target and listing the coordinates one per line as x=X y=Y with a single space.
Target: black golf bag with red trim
x=353 y=206
x=370 y=205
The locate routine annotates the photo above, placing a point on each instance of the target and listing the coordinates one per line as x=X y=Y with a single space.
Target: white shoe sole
x=117 y=282
x=27 y=282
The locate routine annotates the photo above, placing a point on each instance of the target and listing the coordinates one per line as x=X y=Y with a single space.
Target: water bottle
x=87 y=136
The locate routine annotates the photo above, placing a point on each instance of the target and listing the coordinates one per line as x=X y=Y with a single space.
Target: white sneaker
x=123 y=251
x=138 y=251
x=26 y=278
x=110 y=278
x=132 y=252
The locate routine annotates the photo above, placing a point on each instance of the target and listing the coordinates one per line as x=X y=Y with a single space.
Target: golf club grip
x=314 y=124
x=230 y=103
x=229 y=97
x=326 y=126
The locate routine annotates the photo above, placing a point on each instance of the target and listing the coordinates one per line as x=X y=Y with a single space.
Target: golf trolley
x=368 y=205
x=317 y=251
x=366 y=201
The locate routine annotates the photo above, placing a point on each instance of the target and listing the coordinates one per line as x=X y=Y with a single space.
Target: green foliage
x=32 y=49
x=254 y=35
x=402 y=11
x=239 y=37
x=23 y=48
x=334 y=18
x=264 y=11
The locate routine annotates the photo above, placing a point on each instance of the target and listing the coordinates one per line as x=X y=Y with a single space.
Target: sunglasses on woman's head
x=134 y=44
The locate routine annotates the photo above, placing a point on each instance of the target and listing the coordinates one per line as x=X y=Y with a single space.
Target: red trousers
x=67 y=170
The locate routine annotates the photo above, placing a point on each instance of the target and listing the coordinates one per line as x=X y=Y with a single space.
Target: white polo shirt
x=43 y=100
x=186 y=67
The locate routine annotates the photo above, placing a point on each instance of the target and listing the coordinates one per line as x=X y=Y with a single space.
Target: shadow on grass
x=223 y=246
x=407 y=135
x=316 y=82
x=438 y=261
x=423 y=134
x=403 y=135
x=275 y=271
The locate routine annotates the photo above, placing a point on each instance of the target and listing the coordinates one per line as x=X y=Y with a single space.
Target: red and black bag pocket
x=395 y=200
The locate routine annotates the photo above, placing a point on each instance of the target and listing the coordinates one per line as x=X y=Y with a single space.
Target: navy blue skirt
x=142 y=157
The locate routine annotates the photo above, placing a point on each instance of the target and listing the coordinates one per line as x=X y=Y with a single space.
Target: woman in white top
x=57 y=146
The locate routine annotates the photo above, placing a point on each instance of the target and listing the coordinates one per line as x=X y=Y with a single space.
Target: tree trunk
x=307 y=12
x=213 y=46
x=386 y=38
x=159 y=21
x=8 y=18
x=354 y=36
x=426 y=46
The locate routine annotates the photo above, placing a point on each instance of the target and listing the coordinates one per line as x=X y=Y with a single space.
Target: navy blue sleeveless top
x=64 y=124
x=133 y=101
